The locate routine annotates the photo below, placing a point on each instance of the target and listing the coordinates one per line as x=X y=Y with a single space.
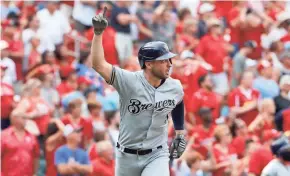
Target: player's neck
x=152 y=80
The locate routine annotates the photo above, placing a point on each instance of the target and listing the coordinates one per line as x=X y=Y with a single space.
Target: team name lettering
x=135 y=106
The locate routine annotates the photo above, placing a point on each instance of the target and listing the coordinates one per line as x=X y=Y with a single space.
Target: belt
x=137 y=152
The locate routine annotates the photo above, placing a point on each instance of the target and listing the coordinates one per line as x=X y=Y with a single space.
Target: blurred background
x=233 y=62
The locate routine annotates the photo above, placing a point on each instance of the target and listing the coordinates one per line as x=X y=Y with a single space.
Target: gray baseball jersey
x=144 y=109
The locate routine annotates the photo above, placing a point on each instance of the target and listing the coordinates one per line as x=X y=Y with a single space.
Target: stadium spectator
x=282 y=101
x=201 y=99
x=34 y=107
x=105 y=164
x=53 y=140
x=262 y=155
x=206 y=12
x=163 y=27
x=243 y=100
x=285 y=60
x=213 y=42
x=19 y=148
x=7 y=100
x=74 y=118
x=239 y=62
x=145 y=14
x=225 y=155
x=69 y=159
x=53 y=23
x=264 y=82
x=120 y=21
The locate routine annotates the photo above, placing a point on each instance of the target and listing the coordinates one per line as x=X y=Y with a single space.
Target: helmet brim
x=166 y=56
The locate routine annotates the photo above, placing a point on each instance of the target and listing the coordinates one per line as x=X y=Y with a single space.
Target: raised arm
x=98 y=60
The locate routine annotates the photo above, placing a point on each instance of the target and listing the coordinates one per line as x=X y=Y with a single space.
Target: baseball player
x=147 y=98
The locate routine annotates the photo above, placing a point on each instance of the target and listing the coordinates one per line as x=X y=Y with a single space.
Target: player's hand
x=100 y=22
x=178 y=146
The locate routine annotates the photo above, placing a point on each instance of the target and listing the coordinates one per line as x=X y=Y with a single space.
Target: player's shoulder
x=175 y=83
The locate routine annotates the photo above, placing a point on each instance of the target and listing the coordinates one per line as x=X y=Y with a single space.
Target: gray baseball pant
x=155 y=163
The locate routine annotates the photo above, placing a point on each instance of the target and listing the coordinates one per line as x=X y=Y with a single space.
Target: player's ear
x=148 y=65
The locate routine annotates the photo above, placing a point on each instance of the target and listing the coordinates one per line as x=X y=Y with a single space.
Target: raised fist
x=100 y=22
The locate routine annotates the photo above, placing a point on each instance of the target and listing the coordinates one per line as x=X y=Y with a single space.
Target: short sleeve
x=59 y=157
x=123 y=81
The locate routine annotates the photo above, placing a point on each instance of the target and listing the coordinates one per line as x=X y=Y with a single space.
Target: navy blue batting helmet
x=151 y=51
x=278 y=144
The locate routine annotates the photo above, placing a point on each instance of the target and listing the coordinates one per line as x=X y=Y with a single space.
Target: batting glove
x=100 y=23
x=178 y=146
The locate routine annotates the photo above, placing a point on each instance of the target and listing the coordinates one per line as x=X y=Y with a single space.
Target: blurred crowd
x=59 y=116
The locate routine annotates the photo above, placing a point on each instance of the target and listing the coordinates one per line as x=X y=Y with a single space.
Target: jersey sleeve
x=180 y=92
x=122 y=80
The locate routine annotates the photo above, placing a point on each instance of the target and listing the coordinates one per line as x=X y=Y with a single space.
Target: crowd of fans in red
x=233 y=62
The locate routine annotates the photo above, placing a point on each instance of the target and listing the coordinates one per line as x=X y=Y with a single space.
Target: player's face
x=161 y=69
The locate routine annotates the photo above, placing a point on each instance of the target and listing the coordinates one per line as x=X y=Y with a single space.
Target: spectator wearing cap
x=225 y=155
x=262 y=155
x=35 y=107
x=265 y=119
x=19 y=149
x=285 y=60
x=163 y=27
x=264 y=82
x=69 y=83
x=279 y=166
x=239 y=61
x=206 y=12
x=214 y=43
x=243 y=100
x=70 y=159
x=120 y=20
x=10 y=71
x=104 y=164
x=282 y=101
x=53 y=23
x=204 y=97
x=74 y=118
x=53 y=140
x=145 y=14
x=82 y=10
x=203 y=133
x=7 y=100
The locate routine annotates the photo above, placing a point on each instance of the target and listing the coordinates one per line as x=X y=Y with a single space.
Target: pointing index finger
x=104 y=13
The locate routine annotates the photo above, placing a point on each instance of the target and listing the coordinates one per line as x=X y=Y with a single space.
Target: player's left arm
x=178 y=118
x=179 y=143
